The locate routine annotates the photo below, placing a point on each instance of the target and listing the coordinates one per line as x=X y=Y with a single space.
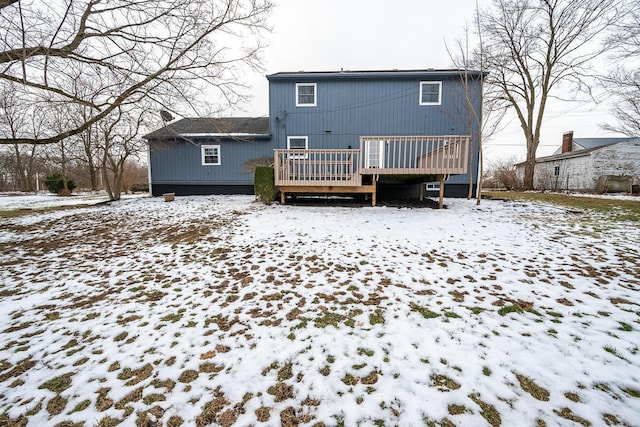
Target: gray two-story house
x=342 y=132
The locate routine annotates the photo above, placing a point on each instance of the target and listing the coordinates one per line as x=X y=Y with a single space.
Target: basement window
x=210 y=155
x=306 y=94
x=430 y=93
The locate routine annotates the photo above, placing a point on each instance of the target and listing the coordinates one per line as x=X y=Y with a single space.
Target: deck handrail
x=336 y=167
x=378 y=155
x=414 y=155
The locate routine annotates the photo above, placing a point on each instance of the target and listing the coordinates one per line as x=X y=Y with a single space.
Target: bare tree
x=120 y=140
x=534 y=46
x=624 y=81
x=625 y=85
x=482 y=121
x=134 y=48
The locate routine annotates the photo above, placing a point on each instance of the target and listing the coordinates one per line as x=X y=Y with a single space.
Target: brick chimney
x=567 y=141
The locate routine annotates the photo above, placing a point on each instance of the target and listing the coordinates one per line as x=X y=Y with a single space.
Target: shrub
x=55 y=184
x=140 y=188
x=264 y=184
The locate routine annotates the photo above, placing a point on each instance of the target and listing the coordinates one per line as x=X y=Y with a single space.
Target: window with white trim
x=297 y=143
x=210 y=155
x=306 y=94
x=430 y=93
x=556 y=171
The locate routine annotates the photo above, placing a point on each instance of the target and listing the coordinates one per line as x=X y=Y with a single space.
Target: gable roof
x=598 y=142
x=593 y=144
x=373 y=74
x=224 y=127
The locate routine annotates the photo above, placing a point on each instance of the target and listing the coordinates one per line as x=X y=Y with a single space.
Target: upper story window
x=306 y=94
x=430 y=93
x=210 y=155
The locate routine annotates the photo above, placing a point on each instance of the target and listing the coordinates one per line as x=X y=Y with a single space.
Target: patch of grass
x=81 y=406
x=152 y=398
x=488 y=411
x=362 y=351
x=210 y=368
x=451 y=315
x=263 y=414
x=509 y=309
x=621 y=210
x=633 y=392
x=285 y=372
x=103 y=402
x=350 y=379
x=121 y=336
x=58 y=384
x=281 y=391
x=188 y=376
x=329 y=319
x=426 y=313
x=567 y=414
x=486 y=371
x=370 y=379
x=56 y=405
x=572 y=396
x=625 y=327
x=134 y=396
x=455 y=409
x=532 y=388
x=376 y=318
x=443 y=383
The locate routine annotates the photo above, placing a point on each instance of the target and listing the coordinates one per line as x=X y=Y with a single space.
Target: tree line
x=84 y=79
x=87 y=78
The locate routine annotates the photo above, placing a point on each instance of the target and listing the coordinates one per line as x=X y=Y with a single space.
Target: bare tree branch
x=533 y=46
x=133 y=47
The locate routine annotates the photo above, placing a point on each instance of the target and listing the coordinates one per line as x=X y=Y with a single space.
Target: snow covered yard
x=217 y=310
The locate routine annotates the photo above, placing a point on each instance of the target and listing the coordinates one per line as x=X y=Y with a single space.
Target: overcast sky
x=327 y=35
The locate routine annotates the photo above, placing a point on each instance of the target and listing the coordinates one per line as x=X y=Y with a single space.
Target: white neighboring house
x=588 y=164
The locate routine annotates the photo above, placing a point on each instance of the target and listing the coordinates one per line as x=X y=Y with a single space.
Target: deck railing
x=414 y=155
x=378 y=155
x=317 y=167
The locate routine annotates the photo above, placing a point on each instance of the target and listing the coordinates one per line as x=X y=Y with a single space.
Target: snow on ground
x=218 y=310
x=30 y=201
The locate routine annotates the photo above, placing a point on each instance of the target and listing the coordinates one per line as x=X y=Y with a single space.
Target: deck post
x=283 y=197
x=441 y=201
x=421 y=192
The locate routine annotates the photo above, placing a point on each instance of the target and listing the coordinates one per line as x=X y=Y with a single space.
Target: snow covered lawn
x=218 y=310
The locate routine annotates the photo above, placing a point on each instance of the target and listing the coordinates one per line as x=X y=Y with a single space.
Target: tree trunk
x=530 y=163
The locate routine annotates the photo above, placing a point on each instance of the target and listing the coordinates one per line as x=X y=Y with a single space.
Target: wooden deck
x=344 y=171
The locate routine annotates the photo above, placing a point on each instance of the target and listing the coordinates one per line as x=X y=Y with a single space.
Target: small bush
x=55 y=183
x=140 y=188
x=264 y=184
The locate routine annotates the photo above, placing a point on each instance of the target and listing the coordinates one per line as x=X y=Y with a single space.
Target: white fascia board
x=219 y=135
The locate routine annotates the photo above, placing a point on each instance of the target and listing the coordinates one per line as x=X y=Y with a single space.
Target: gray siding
x=349 y=108
x=181 y=162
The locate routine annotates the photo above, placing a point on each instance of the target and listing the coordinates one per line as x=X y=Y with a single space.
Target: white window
x=430 y=93
x=305 y=94
x=297 y=143
x=210 y=155
x=556 y=171
x=433 y=186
